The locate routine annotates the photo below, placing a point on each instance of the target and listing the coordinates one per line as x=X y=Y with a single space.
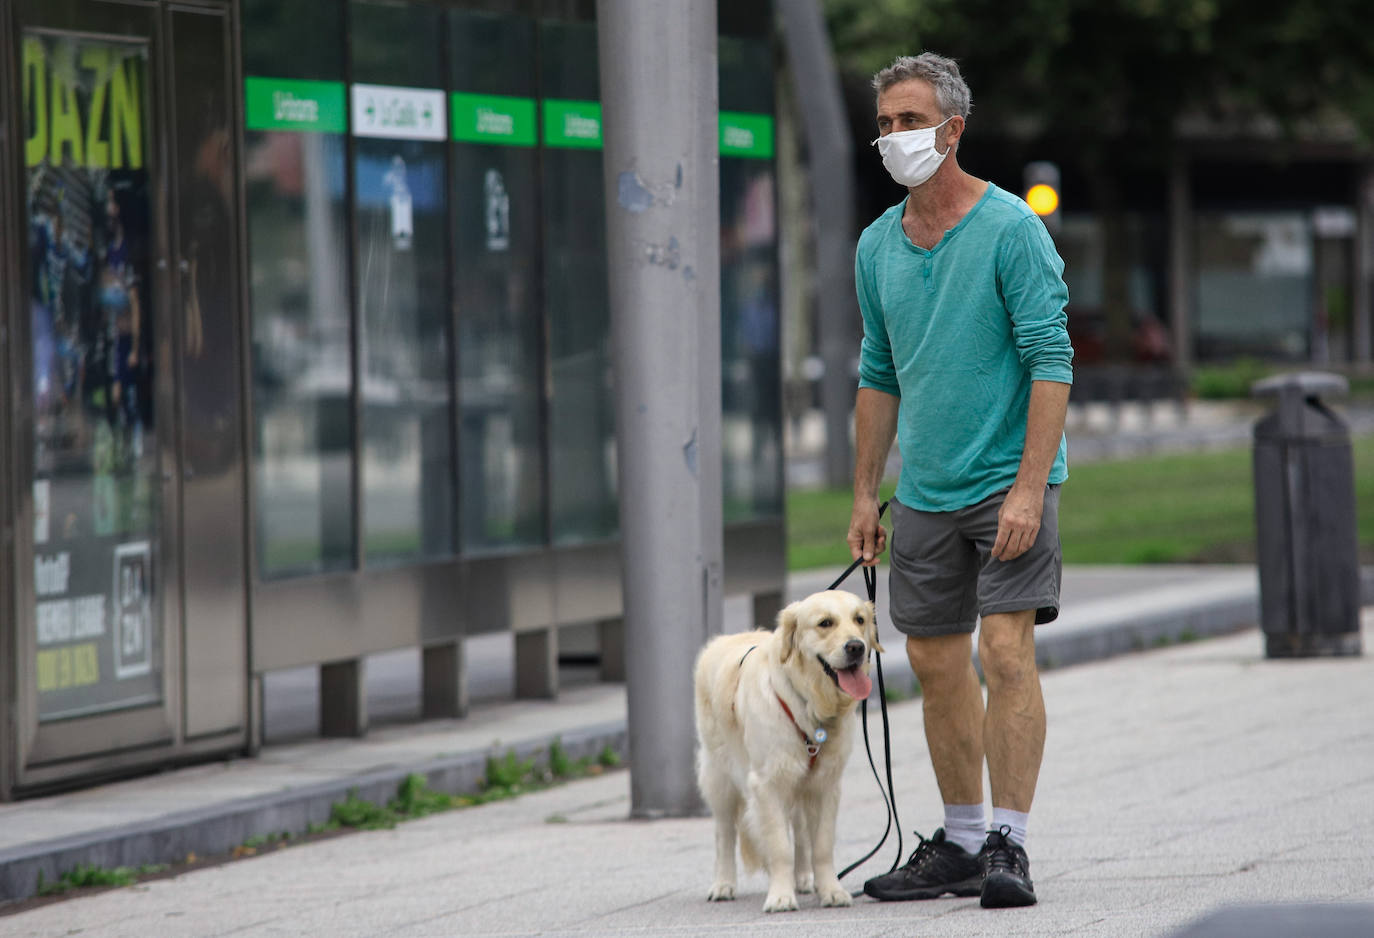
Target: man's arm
x=1018 y=522
x=875 y=427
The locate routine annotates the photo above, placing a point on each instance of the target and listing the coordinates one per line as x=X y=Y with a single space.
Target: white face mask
x=910 y=155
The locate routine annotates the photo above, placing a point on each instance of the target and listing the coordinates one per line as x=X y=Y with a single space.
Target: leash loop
x=889 y=792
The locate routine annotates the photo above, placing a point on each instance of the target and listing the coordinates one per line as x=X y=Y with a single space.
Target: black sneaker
x=1006 y=872
x=936 y=867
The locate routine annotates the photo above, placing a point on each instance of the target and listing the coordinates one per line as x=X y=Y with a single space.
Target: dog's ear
x=871 y=618
x=787 y=631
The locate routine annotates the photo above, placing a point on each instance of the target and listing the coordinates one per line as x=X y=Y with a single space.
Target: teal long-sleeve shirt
x=958 y=333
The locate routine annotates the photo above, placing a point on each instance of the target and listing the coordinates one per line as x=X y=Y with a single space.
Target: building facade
x=307 y=345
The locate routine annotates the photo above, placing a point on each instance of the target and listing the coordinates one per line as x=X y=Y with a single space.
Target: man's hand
x=1018 y=522
x=867 y=539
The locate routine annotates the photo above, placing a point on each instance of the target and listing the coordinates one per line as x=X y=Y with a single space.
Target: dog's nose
x=854 y=649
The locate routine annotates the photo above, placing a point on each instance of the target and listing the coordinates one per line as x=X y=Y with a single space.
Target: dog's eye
x=825 y=623
x=859 y=620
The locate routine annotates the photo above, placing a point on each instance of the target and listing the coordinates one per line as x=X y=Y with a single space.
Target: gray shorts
x=943 y=575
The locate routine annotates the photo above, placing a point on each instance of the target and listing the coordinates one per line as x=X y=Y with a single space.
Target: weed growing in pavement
x=258 y=841
x=361 y=814
x=508 y=774
x=88 y=874
x=506 y=777
x=414 y=798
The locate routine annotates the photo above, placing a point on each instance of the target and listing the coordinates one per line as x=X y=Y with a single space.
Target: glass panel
x=496 y=230
x=95 y=471
x=582 y=414
x=298 y=275
x=1081 y=243
x=751 y=392
x=1254 y=284
x=400 y=214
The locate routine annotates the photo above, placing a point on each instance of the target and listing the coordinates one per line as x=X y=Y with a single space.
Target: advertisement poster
x=94 y=453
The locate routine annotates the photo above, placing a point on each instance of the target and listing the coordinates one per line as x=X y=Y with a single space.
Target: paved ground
x=1176 y=781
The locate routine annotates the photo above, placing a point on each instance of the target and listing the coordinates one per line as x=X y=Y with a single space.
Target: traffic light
x=1042 y=192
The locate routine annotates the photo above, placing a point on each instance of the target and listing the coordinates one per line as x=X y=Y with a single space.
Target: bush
x=1221 y=382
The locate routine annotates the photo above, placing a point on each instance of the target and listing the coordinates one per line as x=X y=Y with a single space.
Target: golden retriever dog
x=775 y=724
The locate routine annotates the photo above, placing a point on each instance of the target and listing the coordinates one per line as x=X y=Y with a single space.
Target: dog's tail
x=750 y=855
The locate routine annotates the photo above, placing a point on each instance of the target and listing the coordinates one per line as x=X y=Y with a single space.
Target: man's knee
x=938 y=658
x=1006 y=649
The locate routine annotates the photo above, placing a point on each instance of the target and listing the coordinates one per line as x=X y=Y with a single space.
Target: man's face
x=909 y=105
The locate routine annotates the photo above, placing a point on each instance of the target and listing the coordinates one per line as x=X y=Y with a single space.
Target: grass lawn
x=1177 y=508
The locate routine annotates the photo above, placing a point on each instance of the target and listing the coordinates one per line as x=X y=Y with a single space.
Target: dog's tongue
x=855 y=683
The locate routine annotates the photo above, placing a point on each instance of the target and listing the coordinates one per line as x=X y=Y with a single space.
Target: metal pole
x=1362 y=307
x=1181 y=262
x=830 y=155
x=659 y=97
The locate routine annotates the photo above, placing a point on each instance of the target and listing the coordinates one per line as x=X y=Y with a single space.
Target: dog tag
x=821 y=735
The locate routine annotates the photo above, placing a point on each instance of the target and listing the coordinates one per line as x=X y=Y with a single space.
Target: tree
x=1113 y=79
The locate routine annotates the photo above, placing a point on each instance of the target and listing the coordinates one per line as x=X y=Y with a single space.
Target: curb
x=218 y=829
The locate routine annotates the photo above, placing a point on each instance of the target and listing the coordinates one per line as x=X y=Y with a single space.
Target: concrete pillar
x=660 y=103
x=830 y=159
x=443 y=681
x=257 y=706
x=766 y=608
x=343 y=698
x=610 y=640
x=536 y=664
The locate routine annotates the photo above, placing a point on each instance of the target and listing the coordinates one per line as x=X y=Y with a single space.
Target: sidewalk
x=210 y=809
x=1175 y=782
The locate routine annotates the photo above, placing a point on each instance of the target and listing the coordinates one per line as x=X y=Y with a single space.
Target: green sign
x=494 y=118
x=572 y=124
x=294 y=104
x=748 y=135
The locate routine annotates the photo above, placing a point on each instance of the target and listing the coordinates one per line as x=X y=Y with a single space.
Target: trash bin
x=1305 y=520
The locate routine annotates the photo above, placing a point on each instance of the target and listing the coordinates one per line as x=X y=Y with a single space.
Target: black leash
x=889 y=793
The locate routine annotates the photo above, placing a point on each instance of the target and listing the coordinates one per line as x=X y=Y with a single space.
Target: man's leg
x=1014 y=728
x=1014 y=734
x=933 y=590
x=952 y=703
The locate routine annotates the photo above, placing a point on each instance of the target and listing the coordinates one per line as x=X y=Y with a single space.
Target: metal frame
x=40 y=756
x=10 y=299
x=82 y=746
x=341 y=616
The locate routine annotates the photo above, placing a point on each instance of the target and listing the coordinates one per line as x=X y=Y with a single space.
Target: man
x=966 y=359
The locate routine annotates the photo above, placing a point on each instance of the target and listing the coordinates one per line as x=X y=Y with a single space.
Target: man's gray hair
x=951 y=93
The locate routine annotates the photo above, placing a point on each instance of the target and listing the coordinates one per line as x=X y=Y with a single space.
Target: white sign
x=399 y=113
x=498 y=211
x=402 y=206
x=42 y=492
x=133 y=618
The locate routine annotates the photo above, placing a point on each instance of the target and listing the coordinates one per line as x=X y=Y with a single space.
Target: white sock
x=1016 y=820
x=966 y=826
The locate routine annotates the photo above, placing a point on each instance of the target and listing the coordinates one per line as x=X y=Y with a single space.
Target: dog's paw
x=721 y=892
x=835 y=895
x=806 y=883
x=785 y=902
